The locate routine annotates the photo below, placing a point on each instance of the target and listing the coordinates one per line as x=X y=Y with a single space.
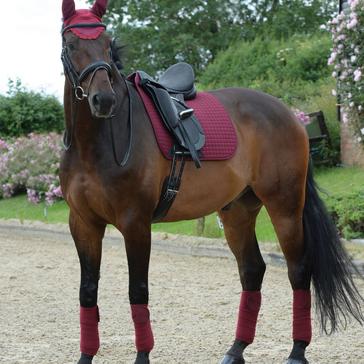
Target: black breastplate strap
x=171 y=184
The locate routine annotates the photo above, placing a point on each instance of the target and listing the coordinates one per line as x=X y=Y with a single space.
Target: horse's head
x=86 y=56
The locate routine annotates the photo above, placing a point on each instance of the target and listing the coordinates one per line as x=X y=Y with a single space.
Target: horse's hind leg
x=88 y=241
x=285 y=208
x=239 y=225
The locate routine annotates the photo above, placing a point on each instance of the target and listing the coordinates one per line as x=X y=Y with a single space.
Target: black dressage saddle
x=169 y=93
x=179 y=79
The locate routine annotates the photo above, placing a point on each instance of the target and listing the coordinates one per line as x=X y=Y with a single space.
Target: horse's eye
x=71 y=47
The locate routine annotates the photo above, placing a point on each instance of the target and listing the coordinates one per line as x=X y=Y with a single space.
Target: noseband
x=76 y=78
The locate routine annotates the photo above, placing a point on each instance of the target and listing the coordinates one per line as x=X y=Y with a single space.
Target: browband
x=82 y=25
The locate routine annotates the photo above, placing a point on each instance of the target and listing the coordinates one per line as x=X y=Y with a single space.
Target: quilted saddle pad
x=221 y=140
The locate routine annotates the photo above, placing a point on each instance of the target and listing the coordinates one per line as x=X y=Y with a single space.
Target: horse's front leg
x=88 y=240
x=137 y=243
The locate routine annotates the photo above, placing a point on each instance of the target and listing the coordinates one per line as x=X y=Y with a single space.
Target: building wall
x=352 y=152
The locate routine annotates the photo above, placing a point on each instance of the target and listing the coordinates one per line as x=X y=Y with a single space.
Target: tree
x=283 y=18
x=161 y=32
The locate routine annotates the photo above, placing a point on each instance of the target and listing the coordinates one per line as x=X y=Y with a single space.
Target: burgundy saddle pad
x=221 y=140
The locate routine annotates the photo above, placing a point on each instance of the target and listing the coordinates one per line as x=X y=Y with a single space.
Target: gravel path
x=193 y=304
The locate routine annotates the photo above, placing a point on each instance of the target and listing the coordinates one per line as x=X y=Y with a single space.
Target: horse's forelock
x=68 y=8
x=99 y=8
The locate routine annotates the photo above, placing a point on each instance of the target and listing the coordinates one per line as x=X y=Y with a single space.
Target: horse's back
x=263 y=119
x=273 y=145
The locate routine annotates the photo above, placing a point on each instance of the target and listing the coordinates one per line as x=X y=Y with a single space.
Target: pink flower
x=8 y=190
x=33 y=196
x=345 y=117
x=357 y=75
x=341 y=37
x=332 y=58
x=353 y=4
x=3 y=144
x=302 y=117
x=352 y=24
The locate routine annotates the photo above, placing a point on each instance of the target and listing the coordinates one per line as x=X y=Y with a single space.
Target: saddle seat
x=179 y=79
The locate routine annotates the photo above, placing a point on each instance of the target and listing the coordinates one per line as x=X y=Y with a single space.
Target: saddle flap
x=186 y=131
x=190 y=127
x=162 y=100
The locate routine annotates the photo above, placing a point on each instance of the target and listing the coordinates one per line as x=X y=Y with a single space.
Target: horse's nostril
x=96 y=101
x=103 y=103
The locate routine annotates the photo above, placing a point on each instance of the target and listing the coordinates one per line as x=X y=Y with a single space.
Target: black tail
x=337 y=298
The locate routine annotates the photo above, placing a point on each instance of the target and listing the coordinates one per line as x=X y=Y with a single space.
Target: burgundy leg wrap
x=89 y=322
x=250 y=302
x=144 y=340
x=302 y=329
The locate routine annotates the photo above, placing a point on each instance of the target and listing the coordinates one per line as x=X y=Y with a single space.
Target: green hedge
x=348 y=214
x=286 y=69
x=294 y=70
x=23 y=112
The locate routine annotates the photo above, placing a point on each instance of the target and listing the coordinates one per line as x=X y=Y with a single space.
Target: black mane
x=116 y=53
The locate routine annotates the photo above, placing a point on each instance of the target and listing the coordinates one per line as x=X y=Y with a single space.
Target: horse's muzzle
x=102 y=104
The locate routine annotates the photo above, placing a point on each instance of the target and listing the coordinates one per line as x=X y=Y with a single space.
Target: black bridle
x=76 y=78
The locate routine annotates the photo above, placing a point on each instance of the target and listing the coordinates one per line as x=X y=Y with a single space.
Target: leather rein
x=79 y=94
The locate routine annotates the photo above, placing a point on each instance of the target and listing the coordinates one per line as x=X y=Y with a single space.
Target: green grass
x=19 y=208
x=339 y=181
x=335 y=181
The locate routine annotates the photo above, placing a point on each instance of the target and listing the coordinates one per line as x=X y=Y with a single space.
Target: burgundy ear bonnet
x=84 y=16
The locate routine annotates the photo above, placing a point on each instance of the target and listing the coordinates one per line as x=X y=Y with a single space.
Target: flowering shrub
x=302 y=117
x=30 y=164
x=347 y=57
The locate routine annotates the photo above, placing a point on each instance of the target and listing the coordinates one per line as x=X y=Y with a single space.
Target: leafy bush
x=286 y=69
x=23 y=112
x=294 y=70
x=348 y=213
x=30 y=164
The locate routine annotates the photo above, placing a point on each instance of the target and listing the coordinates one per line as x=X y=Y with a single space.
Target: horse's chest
x=85 y=191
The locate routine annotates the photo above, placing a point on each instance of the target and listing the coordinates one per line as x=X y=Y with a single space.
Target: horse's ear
x=99 y=8
x=68 y=8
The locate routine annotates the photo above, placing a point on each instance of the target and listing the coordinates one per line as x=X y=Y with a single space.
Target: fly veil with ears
x=85 y=24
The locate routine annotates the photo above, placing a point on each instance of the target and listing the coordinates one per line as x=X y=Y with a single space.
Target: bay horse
x=270 y=167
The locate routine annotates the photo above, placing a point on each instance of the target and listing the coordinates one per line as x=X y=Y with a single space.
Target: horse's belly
x=206 y=190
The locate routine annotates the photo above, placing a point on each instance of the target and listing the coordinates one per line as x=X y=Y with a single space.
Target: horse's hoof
x=229 y=359
x=85 y=359
x=296 y=361
x=142 y=358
